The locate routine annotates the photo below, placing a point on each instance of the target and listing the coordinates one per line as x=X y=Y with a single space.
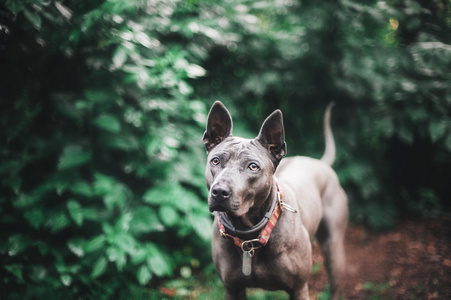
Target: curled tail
x=329 y=152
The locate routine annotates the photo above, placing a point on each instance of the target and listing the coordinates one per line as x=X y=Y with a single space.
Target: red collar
x=263 y=237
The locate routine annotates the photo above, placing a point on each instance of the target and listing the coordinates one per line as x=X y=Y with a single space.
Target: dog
x=268 y=209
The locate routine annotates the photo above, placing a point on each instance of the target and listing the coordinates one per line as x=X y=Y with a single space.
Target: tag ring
x=248 y=246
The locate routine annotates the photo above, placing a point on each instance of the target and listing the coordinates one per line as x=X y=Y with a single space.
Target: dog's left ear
x=272 y=136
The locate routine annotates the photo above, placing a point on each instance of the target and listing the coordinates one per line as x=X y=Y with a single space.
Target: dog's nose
x=220 y=193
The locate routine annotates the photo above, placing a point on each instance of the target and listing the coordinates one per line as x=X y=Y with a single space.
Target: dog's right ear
x=272 y=136
x=219 y=125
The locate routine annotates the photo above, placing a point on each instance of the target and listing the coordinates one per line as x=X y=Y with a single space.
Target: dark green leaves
x=73 y=156
x=15 y=6
x=75 y=211
x=108 y=122
x=102 y=162
x=100 y=118
x=35 y=217
x=99 y=267
x=143 y=275
x=33 y=17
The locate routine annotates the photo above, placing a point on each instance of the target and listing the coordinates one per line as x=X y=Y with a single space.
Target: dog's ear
x=272 y=136
x=219 y=125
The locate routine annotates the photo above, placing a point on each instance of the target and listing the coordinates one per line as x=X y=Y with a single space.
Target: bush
x=102 y=161
x=385 y=64
x=103 y=105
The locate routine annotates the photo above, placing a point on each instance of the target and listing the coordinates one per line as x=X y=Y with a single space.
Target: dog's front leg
x=235 y=294
x=300 y=294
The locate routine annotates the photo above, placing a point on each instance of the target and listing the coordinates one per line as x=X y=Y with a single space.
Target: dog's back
x=300 y=173
x=309 y=180
x=321 y=201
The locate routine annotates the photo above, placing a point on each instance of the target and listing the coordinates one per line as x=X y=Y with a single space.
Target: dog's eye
x=215 y=161
x=253 y=167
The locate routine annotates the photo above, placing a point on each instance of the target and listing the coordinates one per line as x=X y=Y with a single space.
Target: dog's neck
x=255 y=213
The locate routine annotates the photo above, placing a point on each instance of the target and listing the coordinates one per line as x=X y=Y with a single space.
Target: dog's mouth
x=218 y=207
x=221 y=205
x=227 y=207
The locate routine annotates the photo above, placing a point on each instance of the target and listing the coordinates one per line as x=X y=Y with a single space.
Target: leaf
x=157 y=263
x=99 y=96
x=74 y=37
x=66 y=279
x=143 y=275
x=17 y=243
x=60 y=185
x=139 y=255
x=117 y=197
x=155 y=195
x=436 y=130
x=103 y=184
x=123 y=224
x=109 y=123
x=168 y=215
x=386 y=126
x=184 y=88
x=81 y=188
x=107 y=229
x=14 y=182
x=145 y=220
x=125 y=242
x=65 y=12
x=15 y=270
x=73 y=156
x=120 y=142
x=24 y=201
x=76 y=246
x=75 y=211
x=405 y=135
x=35 y=217
x=90 y=214
x=119 y=56
x=186 y=272
x=57 y=221
x=195 y=71
x=119 y=7
x=94 y=244
x=15 y=6
x=99 y=267
x=167 y=193
x=117 y=255
x=189 y=200
x=39 y=273
x=34 y=18
x=203 y=226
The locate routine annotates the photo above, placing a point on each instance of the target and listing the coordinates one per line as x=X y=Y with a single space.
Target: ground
x=412 y=261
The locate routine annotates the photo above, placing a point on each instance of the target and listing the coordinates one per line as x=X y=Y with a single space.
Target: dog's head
x=239 y=171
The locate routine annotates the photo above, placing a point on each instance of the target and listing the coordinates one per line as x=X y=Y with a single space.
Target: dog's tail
x=329 y=152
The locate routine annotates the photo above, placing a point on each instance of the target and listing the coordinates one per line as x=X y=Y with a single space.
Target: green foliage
x=103 y=105
x=385 y=64
x=101 y=145
x=375 y=291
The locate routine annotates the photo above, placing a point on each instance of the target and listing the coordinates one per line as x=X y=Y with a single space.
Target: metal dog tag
x=247 y=262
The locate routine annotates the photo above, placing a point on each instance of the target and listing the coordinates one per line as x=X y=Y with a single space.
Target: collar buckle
x=284 y=205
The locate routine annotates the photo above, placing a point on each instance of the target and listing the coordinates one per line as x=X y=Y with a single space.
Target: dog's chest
x=271 y=270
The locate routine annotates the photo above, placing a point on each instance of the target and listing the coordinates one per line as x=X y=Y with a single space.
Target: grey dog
x=254 y=192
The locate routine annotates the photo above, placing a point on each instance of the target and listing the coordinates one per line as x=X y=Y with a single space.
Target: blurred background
x=103 y=106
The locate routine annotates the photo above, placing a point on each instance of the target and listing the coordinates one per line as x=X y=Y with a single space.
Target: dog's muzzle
x=219 y=198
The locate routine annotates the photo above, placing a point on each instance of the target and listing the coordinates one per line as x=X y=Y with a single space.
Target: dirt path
x=413 y=261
